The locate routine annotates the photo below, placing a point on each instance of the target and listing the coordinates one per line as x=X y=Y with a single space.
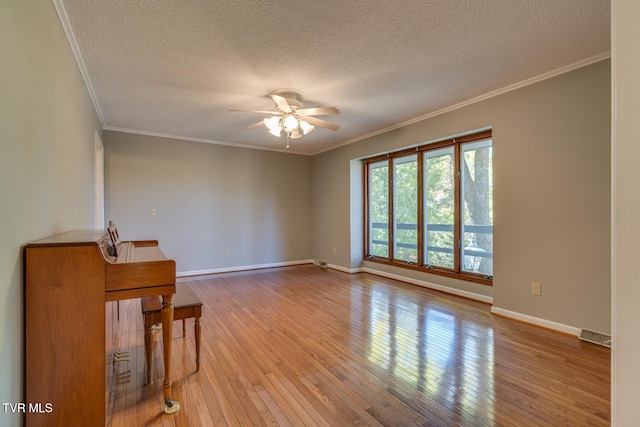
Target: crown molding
x=66 y=26
x=515 y=86
x=64 y=20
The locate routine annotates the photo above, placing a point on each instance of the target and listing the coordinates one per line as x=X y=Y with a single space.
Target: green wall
x=47 y=129
x=551 y=145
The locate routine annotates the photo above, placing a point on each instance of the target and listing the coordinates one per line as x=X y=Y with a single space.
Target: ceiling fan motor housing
x=293 y=98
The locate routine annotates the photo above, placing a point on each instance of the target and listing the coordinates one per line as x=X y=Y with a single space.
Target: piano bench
x=185 y=305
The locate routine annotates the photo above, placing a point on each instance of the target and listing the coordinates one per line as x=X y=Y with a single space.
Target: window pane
x=439 y=197
x=379 y=209
x=477 y=208
x=405 y=202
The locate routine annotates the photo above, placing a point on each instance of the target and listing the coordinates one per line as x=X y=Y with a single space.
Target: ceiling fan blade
x=320 y=111
x=282 y=103
x=322 y=123
x=255 y=111
x=256 y=125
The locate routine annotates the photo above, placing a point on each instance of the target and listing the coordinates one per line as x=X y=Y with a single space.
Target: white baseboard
x=424 y=284
x=571 y=330
x=345 y=270
x=241 y=268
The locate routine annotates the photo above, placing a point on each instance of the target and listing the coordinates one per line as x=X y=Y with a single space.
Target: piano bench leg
x=196 y=328
x=148 y=347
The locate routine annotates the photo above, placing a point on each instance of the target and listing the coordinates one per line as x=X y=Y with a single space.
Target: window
x=405 y=208
x=439 y=211
x=379 y=209
x=477 y=208
x=431 y=208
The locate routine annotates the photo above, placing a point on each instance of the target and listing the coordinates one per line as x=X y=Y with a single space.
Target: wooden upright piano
x=69 y=280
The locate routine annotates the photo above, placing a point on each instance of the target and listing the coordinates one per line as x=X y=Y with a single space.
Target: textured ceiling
x=176 y=68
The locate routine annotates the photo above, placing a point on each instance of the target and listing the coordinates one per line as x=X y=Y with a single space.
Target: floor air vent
x=595 y=337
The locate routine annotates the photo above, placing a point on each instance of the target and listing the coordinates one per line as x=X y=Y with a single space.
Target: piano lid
x=71 y=238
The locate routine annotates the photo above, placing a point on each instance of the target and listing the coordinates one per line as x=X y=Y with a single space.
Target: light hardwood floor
x=301 y=346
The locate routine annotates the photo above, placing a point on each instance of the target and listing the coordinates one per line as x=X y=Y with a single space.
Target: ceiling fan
x=289 y=116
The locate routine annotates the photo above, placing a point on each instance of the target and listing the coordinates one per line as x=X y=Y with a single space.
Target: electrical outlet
x=536 y=289
x=227 y=252
x=335 y=250
x=152 y=212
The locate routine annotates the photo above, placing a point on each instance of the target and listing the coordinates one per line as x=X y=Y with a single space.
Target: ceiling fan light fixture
x=306 y=127
x=290 y=122
x=295 y=134
x=276 y=131
x=272 y=122
x=289 y=116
